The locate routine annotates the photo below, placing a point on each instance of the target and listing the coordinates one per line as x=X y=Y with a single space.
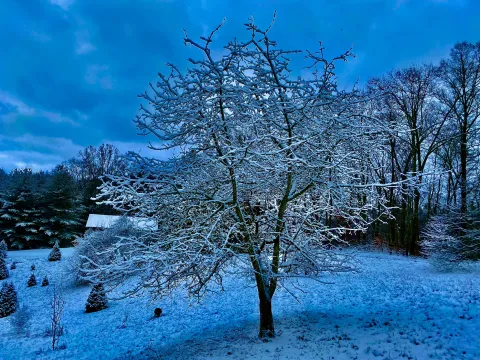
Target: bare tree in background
x=57 y=305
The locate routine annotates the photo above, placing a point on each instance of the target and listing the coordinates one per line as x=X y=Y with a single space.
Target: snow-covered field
x=395 y=308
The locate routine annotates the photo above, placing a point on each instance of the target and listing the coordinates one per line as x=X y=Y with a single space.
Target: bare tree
x=57 y=305
x=263 y=160
x=408 y=103
x=461 y=93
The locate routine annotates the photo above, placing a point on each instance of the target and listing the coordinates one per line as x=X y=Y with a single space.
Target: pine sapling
x=55 y=254
x=97 y=300
x=20 y=320
x=32 y=281
x=3 y=249
x=8 y=299
x=32 y=267
x=13 y=266
x=45 y=281
x=3 y=269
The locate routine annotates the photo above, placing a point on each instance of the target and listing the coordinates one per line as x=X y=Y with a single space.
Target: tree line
x=39 y=208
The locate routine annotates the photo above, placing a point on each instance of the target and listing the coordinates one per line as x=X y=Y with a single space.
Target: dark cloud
x=71 y=69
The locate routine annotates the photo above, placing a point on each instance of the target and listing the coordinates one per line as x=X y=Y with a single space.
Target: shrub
x=3 y=269
x=97 y=300
x=8 y=299
x=32 y=281
x=93 y=248
x=20 y=320
x=452 y=239
x=32 y=267
x=13 y=266
x=55 y=254
x=45 y=281
x=3 y=249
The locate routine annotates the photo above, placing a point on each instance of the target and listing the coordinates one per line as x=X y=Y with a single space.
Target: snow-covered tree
x=3 y=249
x=21 y=319
x=19 y=212
x=90 y=250
x=262 y=159
x=3 y=268
x=450 y=239
x=8 y=299
x=55 y=254
x=61 y=215
x=32 y=280
x=45 y=281
x=97 y=300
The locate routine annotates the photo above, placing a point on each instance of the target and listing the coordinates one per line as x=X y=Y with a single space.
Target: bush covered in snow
x=55 y=254
x=91 y=249
x=32 y=280
x=452 y=239
x=3 y=268
x=97 y=300
x=8 y=299
x=20 y=320
x=3 y=249
x=45 y=281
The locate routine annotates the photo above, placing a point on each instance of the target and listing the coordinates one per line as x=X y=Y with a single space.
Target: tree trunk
x=266 y=317
x=463 y=169
x=415 y=224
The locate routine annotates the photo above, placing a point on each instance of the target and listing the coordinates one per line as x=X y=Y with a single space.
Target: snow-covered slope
x=395 y=308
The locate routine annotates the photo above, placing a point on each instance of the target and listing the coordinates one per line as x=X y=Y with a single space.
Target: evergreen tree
x=97 y=300
x=55 y=254
x=8 y=299
x=62 y=215
x=32 y=281
x=45 y=281
x=19 y=212
x=3 y=268
x=3 y=249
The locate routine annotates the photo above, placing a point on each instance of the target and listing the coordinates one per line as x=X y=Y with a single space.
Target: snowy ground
x=395 y=308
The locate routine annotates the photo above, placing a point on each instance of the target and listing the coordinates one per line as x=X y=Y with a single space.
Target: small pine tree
x=8 y=299
x=32 y=281
x=45 y=281
x=55 y=254
x=32 y=267
x=3 y=269
x=97 y=300
x=3 y=249
x=13 y=266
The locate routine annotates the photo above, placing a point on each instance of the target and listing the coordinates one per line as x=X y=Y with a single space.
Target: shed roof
x=107 y=221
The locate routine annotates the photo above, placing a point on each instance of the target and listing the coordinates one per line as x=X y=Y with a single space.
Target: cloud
x=37 y=152
x=83 y=45
x=16 y=108
x=98 y=74
x=64 y=4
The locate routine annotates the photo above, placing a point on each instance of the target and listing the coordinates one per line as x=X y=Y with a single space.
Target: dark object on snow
x=97 y=300
x=3 y=269
x=157 y=312
x=45 y=281
x=55 y=254
x=32 y=281
x=32 y=267
x=3 y=249
x=13 y=266
x=8 y=299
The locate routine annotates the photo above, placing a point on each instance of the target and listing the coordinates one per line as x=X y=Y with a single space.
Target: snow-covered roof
x=107 y=221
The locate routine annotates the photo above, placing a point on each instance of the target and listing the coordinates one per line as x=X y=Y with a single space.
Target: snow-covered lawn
x=395 y=308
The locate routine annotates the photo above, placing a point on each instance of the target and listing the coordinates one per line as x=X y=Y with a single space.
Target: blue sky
x=70 y=70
